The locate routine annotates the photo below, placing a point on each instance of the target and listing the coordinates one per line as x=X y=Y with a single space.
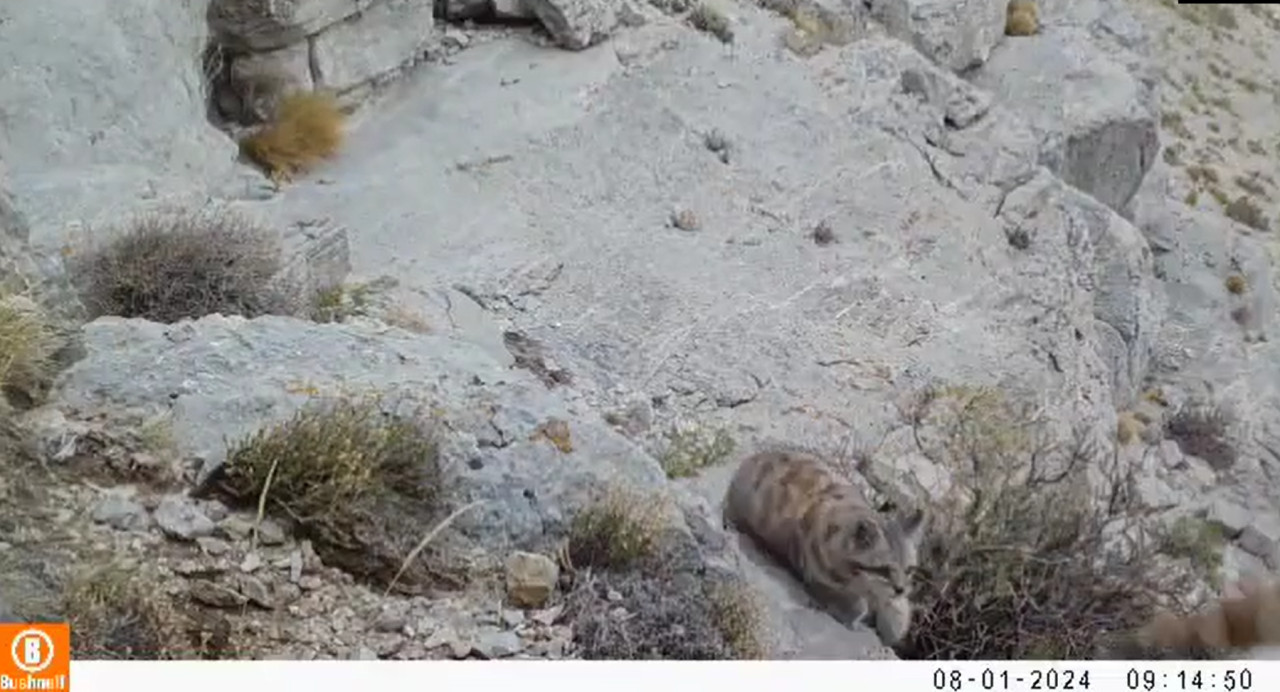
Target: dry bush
x=1236 y=284
x=617 y=531
x=171 y=266
x=114 y=615
x=1246 y=211
x=1022 y=18
x=27 y=345
x=307 y=129
x=361 y=482
x=1201 y=430
x=669 y=616
x=1022 y=561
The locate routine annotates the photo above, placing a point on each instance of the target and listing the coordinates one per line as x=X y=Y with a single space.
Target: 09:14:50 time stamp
x=1089 y=678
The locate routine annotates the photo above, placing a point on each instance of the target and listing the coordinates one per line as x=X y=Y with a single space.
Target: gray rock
x=456 y=10
x=270 y=532
x=388 y=36
x=531 y=579
x=255 y=82
x=512 y=9
x=497 y=644
x=955 y=34
x=119 y=511
x=137 y=131
x=215 y=595
x=1093 y=107
x=577 y=24
x=269 y=24
x=179 y=518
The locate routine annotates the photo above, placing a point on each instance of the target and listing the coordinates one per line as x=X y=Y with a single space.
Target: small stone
x=215 y=595
x=459 y=648
x=547 y=617
x=364 y=653
x=251 y=563
x=119 y=512
x=271 y=533
x=287 y=593
x=213 y=509
x=498 y=644
x=1231 y=517
x=213 y=546
x=531 y=579
x=390 y=622
x=685 y=220
x=310 y=582
x=181 y=519
x=442 y=636
x=199 y=568
x=619 y=613
x=235 y=528
x=255 y=591
x=512 y=618
x=295 y=566
x=613 y=596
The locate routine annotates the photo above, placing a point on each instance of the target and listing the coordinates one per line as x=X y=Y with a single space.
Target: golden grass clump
x=361 y=482
x=739 y=616
x=1236 y=284
x=27 y=345
x=171 y=266
x=307 y=129
x=1022 y=18
x=616 y=531
x=691 y=449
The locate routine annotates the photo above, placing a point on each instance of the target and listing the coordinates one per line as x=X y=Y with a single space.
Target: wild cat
x=852 y=559
x=1246 y=619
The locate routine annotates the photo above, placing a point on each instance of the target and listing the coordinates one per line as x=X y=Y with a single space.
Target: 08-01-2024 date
x=1083 y=678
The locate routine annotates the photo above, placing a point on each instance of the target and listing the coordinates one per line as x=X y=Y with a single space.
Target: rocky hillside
x=469 y=378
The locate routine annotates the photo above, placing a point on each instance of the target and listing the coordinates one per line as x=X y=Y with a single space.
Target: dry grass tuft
x=1243 y=210
x=617 y=531
x=1201 y=430
x=167 y=267
x=361 y=482
x=1022 y=561
x=27 y=345
x=711 y=19
x=307 y=129
x=739 y=617
x=1022 y=18
x=1236 y=284
x=114 y=615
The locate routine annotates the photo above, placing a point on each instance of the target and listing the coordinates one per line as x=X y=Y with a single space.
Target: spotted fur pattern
x=1246 y=619
x=855 y=561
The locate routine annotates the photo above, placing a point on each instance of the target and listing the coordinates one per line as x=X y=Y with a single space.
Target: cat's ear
x=866 y=535
x=912 y=524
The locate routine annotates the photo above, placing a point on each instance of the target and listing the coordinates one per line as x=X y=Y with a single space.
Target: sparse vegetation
x=1023 y=560
x=711 y=19
x=173 y=266
x=27 y=345
x=1236 y=284
x=1021 y=18
x=1198 y=541
x=617 y=531
x=341 y=302
x=813 y=26
x=1201 y=431
x=361 y=482
x=1244 y=210
x=669 y=616
x=115 y=615
x=1128 y=428
x=307 y=129
x=691 y=449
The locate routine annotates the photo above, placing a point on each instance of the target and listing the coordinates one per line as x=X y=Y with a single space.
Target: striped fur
x=853 y=560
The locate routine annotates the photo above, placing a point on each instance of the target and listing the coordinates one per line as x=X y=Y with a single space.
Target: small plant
x=1201 y=431
x=341 y=302
x=1243 y=210
x=1021 y=562
x=174 y=266
x=1236 y=284
x=692 y=449
x=1128 y=428
x=1022 y=18
x=1200 y=542
x=27 y=344
x=616 y=531
x=813 y=26
x=738 y=615
x=307 y=129
x=114 y=615
x=711 y=19
x=356 y=479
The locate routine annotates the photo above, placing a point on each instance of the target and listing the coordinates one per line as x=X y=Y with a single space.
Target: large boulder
x=109 y=115
x=955 y=34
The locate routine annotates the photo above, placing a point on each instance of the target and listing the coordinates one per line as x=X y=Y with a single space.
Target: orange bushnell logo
x=35 y=657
